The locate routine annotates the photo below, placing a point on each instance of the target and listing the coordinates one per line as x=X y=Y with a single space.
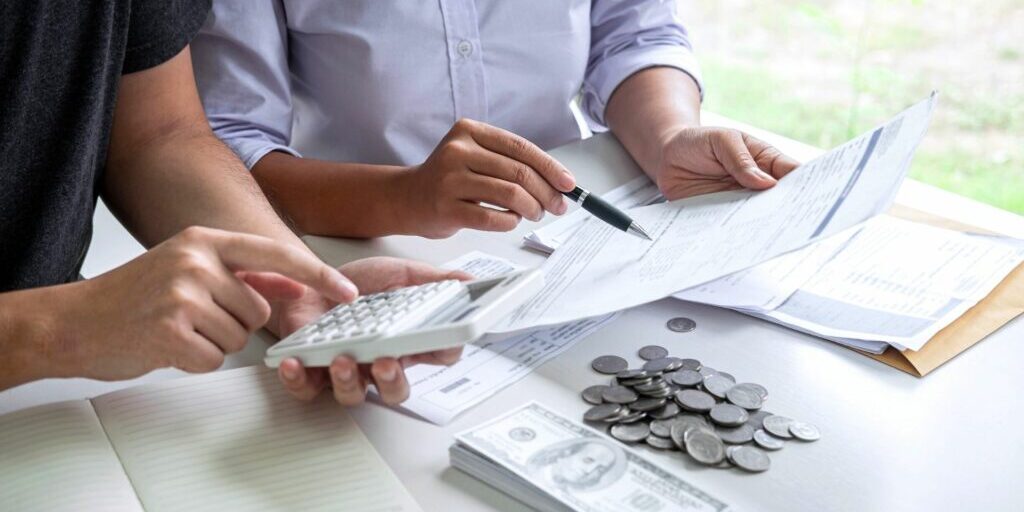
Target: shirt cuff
x=606 y=76
x=250 y=151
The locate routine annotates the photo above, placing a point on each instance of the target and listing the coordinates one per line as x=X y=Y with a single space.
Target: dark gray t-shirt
x=60 y=63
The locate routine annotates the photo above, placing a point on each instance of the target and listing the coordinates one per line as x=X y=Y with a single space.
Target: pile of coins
x=680 y=404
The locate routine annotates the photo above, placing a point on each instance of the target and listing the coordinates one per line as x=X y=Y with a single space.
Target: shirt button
x=465 y=48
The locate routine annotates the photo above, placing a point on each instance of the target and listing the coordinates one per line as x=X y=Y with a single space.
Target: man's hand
x=185 y=303
x=347 y=378
x=478 y=163
x=702 y=160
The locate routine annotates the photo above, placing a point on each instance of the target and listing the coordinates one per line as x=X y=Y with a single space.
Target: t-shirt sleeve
x=160 y=29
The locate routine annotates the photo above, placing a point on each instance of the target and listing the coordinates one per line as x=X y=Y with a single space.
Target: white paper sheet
x=700 y=239
x=640 y=191
x=768 y=285
x=492 y=363
x=899 y=282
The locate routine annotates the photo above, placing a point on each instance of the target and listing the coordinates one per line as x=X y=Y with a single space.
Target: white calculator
x=408 y=320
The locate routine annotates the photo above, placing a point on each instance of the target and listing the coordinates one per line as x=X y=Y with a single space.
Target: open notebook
x=231 y=440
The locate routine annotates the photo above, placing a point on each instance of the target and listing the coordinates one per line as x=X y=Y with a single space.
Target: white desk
x=890 y=441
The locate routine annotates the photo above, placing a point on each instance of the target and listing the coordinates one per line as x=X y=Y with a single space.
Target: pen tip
x=635 y=229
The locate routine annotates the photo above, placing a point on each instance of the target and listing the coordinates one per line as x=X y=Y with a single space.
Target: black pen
x=606 y=212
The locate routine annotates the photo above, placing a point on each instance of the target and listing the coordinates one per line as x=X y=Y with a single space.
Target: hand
x=185 y=303
x=478 y=163
x=702 y=160
x=347 y=378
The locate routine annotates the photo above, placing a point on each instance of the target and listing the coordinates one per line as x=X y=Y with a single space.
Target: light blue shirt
x=382 y=81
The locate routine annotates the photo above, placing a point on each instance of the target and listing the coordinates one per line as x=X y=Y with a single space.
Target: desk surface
x=890 y=441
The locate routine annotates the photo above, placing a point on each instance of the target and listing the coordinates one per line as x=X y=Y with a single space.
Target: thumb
x=731 y=150
x=273 y=286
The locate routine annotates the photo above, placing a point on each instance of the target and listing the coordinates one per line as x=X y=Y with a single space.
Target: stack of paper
x=552 y=463
x=850 y=275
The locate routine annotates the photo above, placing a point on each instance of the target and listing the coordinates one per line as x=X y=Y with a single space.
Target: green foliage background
x=824 y=71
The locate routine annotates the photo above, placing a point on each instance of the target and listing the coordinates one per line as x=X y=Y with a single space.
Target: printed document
x=492 y=363
x=696 y=240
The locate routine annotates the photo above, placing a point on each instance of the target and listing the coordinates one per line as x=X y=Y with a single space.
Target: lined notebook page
x=56 y=457
x=235 y=440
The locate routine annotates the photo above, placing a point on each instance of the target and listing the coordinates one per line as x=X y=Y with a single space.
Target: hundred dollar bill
x=553 y=463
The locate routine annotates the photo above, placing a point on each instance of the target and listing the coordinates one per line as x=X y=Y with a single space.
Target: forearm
x=334 y=199
x=648 y=108
x=186 y=178
x=27 y=334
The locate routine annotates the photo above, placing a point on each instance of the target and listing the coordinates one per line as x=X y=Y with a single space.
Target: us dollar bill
x=553 y=463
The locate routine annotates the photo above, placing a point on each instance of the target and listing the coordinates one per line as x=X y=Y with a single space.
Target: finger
x=522 y=150
x=303 y=383
x=390 y=380
x=349 y=387
x=486 y=219
x=248 y=307
x=506 y=194
x=220 y=327
x=731 y=151
x=445 y=357
x=504 y=168
x=197 y=354
x=273 y=286
x=768 y=158
x=240 y=251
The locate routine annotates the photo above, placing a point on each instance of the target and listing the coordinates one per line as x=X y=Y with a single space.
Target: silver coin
x=633 y=374
x=619 y=395
x=728 y=376
x=635 y=382
x=717 y=385
x=602 y=412
x=624 y=412
x=757 y=418
x=663 y=364
x=654 y=385
x=744 y=397
x=751 y=459
x=681 y=324
x=707 y=371
x=705 y=447
x=647 y=404
x=661 y=393
x=663 y=428
x=609 y=365
x=669 y=410
x=660 y=443
x=592 y=394
x=767 y=441
x=687 y=378
x=736 y=435
x=695 y=400
x=804 y=431
x=690 y=364
x=652 y=352
x=760 y=390
x=728 y=415
x=632 y=417
x=630 y=432
x=778 y=426
x=683 y=424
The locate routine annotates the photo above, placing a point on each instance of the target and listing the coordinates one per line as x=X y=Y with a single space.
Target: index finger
x=240 y=251
x=518 y=148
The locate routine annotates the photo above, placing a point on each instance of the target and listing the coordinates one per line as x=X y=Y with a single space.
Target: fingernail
x=347 y=285
x=568 y=181
x=389 y=374
x=290 y=374
x=763 y=175
x=345 y=374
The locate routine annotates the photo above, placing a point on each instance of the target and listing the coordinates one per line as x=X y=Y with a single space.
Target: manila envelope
x=1003 y=304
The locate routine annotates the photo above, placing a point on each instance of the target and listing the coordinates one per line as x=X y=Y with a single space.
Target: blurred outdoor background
x=824 y=71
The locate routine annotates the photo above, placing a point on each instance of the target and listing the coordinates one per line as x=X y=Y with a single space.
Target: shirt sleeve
x=159 y=30
x=241 y=64
x=626 y=37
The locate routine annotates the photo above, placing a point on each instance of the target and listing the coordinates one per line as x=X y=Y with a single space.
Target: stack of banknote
x=552 y=463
